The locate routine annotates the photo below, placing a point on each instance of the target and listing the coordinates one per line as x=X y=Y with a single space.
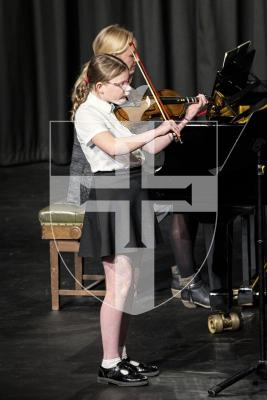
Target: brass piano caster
x=222 y=322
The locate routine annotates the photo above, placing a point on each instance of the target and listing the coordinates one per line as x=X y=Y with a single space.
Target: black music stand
x=258 y=146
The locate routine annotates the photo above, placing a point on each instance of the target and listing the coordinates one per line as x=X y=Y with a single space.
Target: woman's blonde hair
x=100 y=68
x=114 y=39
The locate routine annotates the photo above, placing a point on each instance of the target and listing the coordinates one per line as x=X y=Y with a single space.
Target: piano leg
x=220 y=277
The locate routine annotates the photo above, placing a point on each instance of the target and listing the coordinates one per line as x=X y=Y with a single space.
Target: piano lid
x=237 y=92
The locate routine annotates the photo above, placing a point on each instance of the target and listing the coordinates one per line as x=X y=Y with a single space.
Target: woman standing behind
x=109 y=146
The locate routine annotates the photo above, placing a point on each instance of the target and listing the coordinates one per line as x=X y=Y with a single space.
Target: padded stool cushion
x=61 y=213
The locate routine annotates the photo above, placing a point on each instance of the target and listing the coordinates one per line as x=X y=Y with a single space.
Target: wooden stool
x=61 y=224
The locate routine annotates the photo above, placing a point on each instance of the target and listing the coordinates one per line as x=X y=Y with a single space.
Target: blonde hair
x=114 y=39
x=100 y=68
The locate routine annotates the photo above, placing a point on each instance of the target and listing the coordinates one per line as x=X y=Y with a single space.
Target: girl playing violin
x=113 y=151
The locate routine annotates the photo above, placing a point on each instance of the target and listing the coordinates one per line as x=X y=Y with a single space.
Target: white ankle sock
x=110 y=363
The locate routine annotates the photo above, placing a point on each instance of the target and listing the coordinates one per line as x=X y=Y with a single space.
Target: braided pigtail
x=80 y=91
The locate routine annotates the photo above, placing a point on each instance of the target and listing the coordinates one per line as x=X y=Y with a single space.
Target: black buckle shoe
x=145 y=369
x=121 y=375
x=196 y=294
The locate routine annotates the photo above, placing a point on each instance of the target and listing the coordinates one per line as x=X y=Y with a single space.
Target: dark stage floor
x=48 y=355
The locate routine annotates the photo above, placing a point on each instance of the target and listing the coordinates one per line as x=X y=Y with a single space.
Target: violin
x=146 y=109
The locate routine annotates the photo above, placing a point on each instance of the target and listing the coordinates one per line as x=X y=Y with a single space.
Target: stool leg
x=54 y=270
x=78 y=271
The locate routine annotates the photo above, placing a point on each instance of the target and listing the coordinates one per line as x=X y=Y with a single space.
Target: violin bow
x=148 y=80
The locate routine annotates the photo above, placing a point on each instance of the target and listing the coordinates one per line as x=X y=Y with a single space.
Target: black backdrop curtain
x=43 y=44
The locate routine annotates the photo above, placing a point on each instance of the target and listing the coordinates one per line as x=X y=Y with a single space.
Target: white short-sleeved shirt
x=95 y=116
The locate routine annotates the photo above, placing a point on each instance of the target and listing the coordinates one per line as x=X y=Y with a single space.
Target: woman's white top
x=95 y=116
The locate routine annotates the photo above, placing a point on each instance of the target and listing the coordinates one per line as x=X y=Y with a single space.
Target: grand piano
x=238 y=112
x=236 y=95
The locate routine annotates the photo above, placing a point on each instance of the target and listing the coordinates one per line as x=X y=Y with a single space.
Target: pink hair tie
x=86 y=80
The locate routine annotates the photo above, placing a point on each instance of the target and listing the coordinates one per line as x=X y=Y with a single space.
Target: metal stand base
x=260 y=368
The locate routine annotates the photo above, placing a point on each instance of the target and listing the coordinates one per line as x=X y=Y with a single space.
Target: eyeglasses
x=120 y=85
